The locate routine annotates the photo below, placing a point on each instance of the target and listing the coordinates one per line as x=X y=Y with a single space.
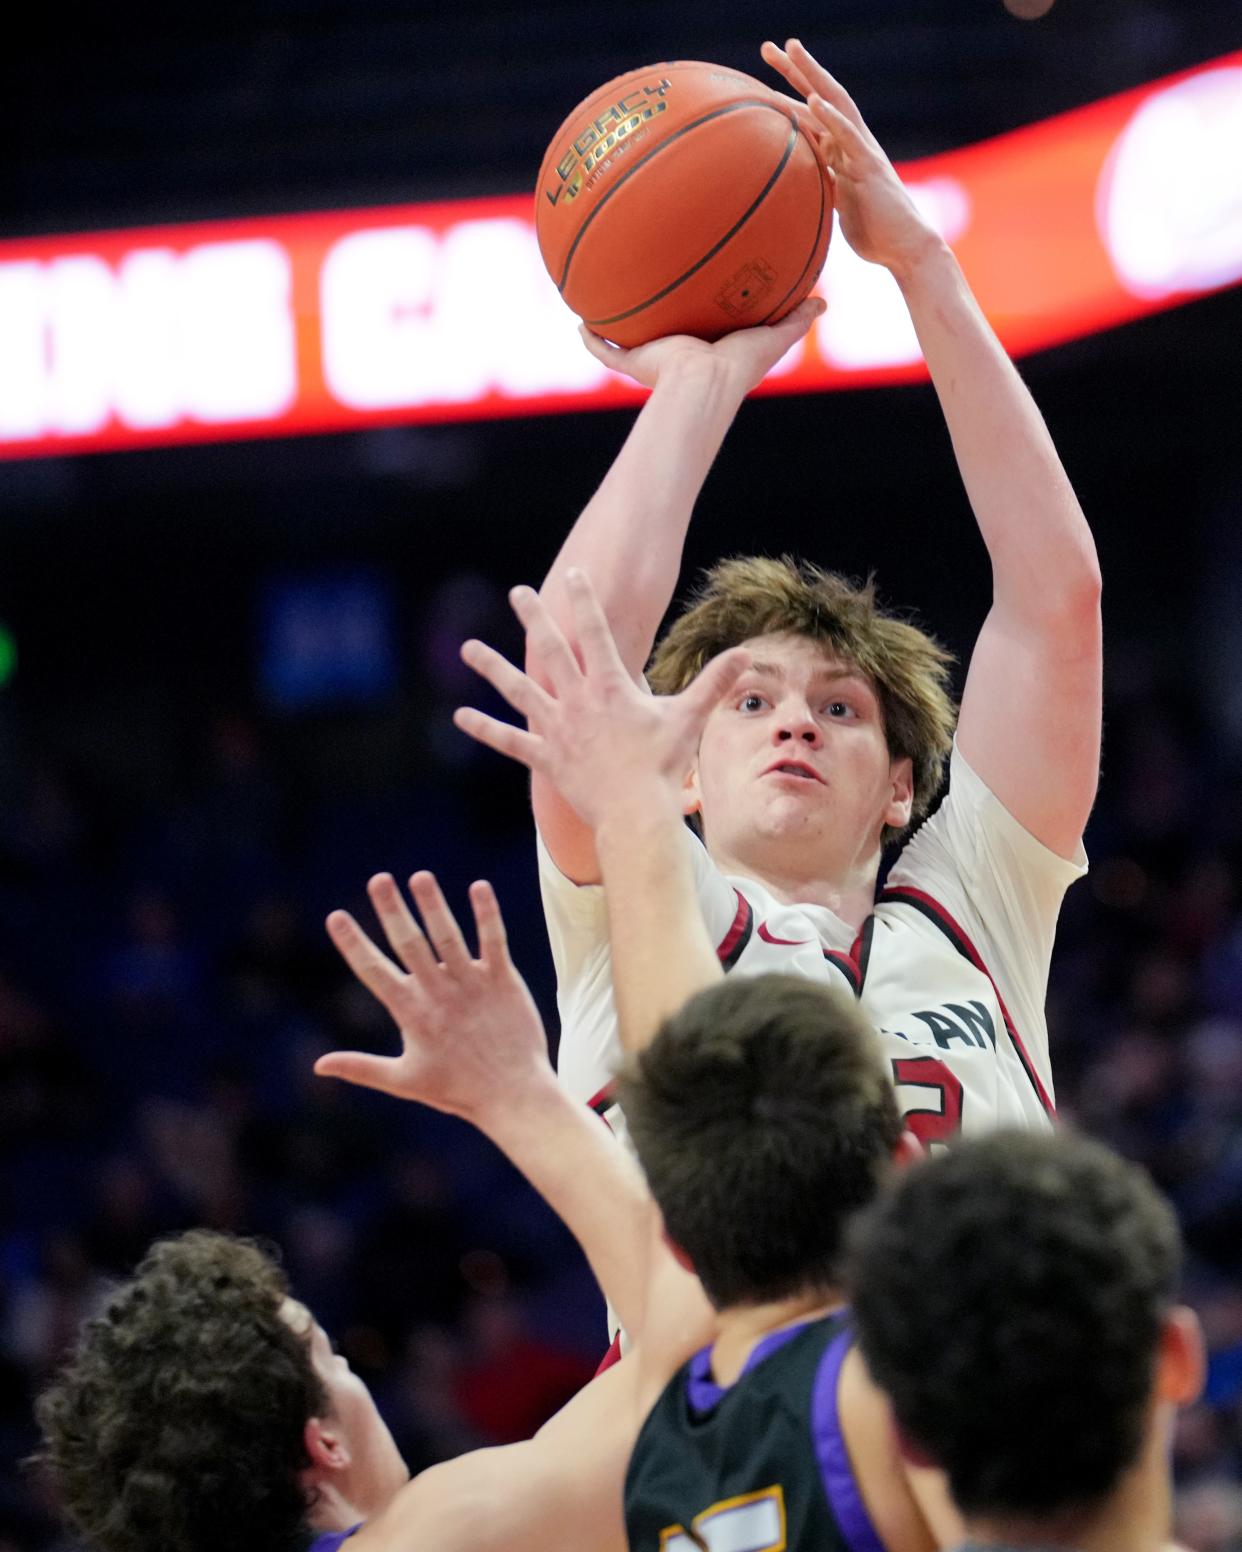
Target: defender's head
x=763 y=1119
x=204 y=1408
x=1015 y=1298
x=854 y=696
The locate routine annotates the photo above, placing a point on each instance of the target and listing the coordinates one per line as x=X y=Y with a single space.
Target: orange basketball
x=683 y=198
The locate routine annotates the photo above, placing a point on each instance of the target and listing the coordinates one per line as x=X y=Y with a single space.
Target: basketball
x=683 y=198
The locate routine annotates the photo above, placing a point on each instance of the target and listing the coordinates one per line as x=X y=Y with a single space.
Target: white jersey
x=951 y=966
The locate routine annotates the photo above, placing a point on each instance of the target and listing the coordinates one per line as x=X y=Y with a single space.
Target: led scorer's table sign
x=345 y=319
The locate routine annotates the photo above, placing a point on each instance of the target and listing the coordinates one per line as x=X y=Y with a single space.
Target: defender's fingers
x=376 y=972
x=545 y=639
x=595 y=638
x=715 y=681
x=518 y=688
x=402 y=931
x=503 y=737
x=489 y=924
x=368 y=1072
x=439 y=921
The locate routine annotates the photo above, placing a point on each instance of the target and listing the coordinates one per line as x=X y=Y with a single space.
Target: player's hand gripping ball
x=683 y=198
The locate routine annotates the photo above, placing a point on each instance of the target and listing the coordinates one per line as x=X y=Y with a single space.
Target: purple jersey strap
x=837 y=1474
x=331 y=1540
x=702 y=1389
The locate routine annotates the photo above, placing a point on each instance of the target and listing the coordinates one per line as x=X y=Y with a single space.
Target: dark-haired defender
x=838 y=735
x=1016 y=1299
x=765 y=1121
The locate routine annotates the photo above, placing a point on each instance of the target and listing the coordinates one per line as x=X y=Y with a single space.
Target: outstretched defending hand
x=471 y=1037
x=745 y=357
x=880 y=221
x=598 y=738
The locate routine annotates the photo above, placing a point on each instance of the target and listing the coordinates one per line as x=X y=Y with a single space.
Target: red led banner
x=328 y=322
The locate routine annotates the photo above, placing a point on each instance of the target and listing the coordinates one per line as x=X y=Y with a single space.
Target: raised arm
x=1030 y=716
x=629 y=536
x=473 y=1045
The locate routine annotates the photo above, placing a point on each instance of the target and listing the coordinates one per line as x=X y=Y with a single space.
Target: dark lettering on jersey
x=954 y=1022
x=976 y=1016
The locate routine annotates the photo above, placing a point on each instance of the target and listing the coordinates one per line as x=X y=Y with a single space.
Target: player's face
x=793 y=768
x=375 y=1470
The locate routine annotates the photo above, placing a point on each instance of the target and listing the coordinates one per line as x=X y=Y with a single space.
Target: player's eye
x=839 y=709
x=751 y=702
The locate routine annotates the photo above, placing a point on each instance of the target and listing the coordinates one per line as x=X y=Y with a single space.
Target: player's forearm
x=1043 y=557
x=588 y=1180
x=630 y=535
x=661 y=954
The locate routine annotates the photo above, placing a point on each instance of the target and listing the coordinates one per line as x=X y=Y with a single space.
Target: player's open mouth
x=793 y=768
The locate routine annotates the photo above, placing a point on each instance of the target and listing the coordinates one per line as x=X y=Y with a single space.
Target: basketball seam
x=772 y=311
x=713 y=251
x=731 y=107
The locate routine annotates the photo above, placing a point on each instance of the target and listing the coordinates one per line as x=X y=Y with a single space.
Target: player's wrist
x=926 y=257
x=648 y=810
x=509 y=1109
x=703 y=376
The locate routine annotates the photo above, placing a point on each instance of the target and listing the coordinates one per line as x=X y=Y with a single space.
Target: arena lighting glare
x=341 y=320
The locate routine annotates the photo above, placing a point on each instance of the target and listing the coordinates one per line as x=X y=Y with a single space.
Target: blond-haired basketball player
x=836 y=736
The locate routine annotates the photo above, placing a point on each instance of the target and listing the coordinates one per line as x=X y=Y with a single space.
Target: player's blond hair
x=755 y=595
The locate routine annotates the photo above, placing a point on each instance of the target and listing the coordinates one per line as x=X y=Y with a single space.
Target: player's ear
x=691 y=798
x=901 y=793
x=1181 y=1366
x=908 y=1150
x=326 y=1448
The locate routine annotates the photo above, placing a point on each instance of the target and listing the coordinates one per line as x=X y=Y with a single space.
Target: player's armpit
x=570 y=843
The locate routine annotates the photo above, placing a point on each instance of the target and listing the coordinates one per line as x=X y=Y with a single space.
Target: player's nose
x=796 y=723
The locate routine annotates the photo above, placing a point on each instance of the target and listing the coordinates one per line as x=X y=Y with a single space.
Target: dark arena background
x=227 y=667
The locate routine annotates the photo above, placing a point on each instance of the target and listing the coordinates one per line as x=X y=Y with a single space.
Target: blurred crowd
x=165 y=985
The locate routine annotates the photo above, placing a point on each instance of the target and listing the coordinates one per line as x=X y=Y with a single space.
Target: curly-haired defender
x=1016 y=1299
x=203 y=1409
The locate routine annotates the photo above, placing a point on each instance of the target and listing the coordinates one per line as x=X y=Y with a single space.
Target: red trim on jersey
x=613 y=1355
x=846 y=965
x=906 y=894
x=853 y=965
x=738 y=935
x=601 y=1102
x=860 y=953
x=782 y=942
